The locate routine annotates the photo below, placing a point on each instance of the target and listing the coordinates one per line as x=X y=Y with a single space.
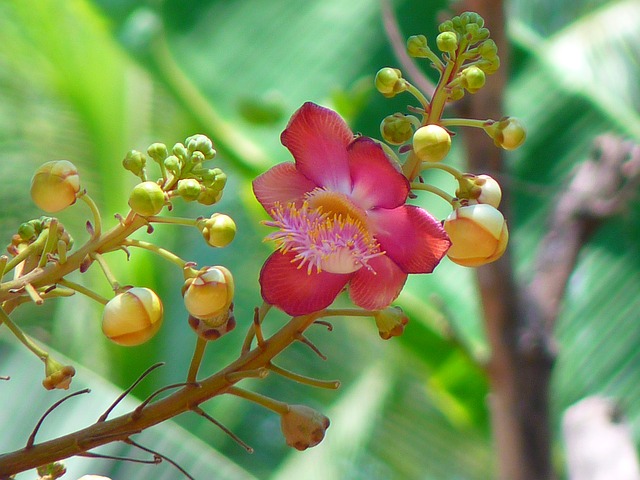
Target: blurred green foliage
x=88 y=81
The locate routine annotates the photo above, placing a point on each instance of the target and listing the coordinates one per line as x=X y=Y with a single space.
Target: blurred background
x=89 y=80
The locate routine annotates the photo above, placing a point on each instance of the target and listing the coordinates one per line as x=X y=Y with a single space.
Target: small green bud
x=431 y=143
x=220 y=179
x=488 y=49
x=133 y=317
x=147 y=198
x=447 y=42
x=173 y=165
x=396 y=129
x=472 y=79
x=200 y=143
x=389 y=82
x=158 y=151
x=489 y=66
x=27 y=231
x=54 y=185
x=189 y=189
x=197 y=157
x=209 y=196
x=456 y=93
x=180 y=151
x=219 y=230
x=135 y=162
x=417 y=46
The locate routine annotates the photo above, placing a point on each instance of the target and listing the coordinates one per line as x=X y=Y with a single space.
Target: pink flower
x=342 y=219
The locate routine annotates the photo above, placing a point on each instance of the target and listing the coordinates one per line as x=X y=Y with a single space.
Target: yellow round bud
x=133 y=317
x=447 y=42
x=510 y=134
x=472 y=79
x=431 y=143
x=147 y=198
x=303 y=427
x=219 y=230
x=479 y=189
x=478 y=235
x=389 y=82
x=54 y=185
x=189 y=189
x=391 y=322
x=209 y=294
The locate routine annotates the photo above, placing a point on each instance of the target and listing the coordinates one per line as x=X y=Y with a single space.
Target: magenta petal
x=376 y=289
x=377 y=181
x=411 y=237
x=295 y=291
x=282 y=183
x=318 y=138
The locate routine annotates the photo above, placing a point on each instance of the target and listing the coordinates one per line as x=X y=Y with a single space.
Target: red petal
x=376 y=289
x=318 y=138
x=411 y=237
x=295 y=291
x=282 y=183
x=377 y=181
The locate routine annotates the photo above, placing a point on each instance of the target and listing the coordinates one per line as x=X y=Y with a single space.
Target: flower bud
x=396 y=129
x=478 y=235
x=209 y=293
x=172 y=164
x=472 y=79
x=133 y=317
x=200 y=143
x=51 y=471
x=147 y=198
x=58 y=376
x=507 y=133
x=391 y=322
x=303 y=427
x=219 y=230
x=431 y=143
x=213 y=329
x=417 y=46
x=209 y=196
x=54 y=185
x=488 y=49
x=480 y=189
x=180 y=151
x=447 y=42
x=158 y=151
x=135 y=162
x=389 y=82
x=189 y=189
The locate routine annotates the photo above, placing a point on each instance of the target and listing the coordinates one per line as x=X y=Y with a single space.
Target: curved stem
x=430 y=188
x=267 y=402
x=24 y=339
x=464 y=122
x=166 y=254
x=106 y=270
x=443 y=166
x=97 y=219
x=76 y=287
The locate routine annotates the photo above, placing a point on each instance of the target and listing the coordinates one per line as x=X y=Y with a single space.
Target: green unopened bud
x=55 y=185
x=417 y=46
x=197 y=158
x=396 y=129
x=180 y=151
x=447 y=42
x=431 y=143
x=219 y=230
x=28 y=231
x=472 y=79
x=489 y=65
x=209 y=196
x=303 y=427
x=51 y=471
x=488 y=49
x=507 y=133
x=135 y=162
x=209 y=294
x=391 y=322
x=173 y=165
x=133 y=317
x=389 y=82
x=189 y=189
x=446 y=26
x=158 y=151
x=147 y=198
x=456 y=93
x=200 y=143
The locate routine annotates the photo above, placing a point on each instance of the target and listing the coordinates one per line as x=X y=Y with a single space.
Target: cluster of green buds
x=182 y=175
x=476 y=228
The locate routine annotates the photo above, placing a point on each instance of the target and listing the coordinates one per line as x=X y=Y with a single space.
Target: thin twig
x=235 y=438
x=162 y=456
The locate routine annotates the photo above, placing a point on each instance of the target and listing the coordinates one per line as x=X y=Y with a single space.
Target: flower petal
x=410 y=236
x=317 y=138
x=376 y=289
x=294 y=290
x=377 y=181
x=282 y=183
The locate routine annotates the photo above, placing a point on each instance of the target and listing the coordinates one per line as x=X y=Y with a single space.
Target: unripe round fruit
x=431 y=143
x=133 y=317
x=54 y=185
x=147 y=198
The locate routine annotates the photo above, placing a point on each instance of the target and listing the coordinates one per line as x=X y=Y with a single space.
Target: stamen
x=333 y=242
